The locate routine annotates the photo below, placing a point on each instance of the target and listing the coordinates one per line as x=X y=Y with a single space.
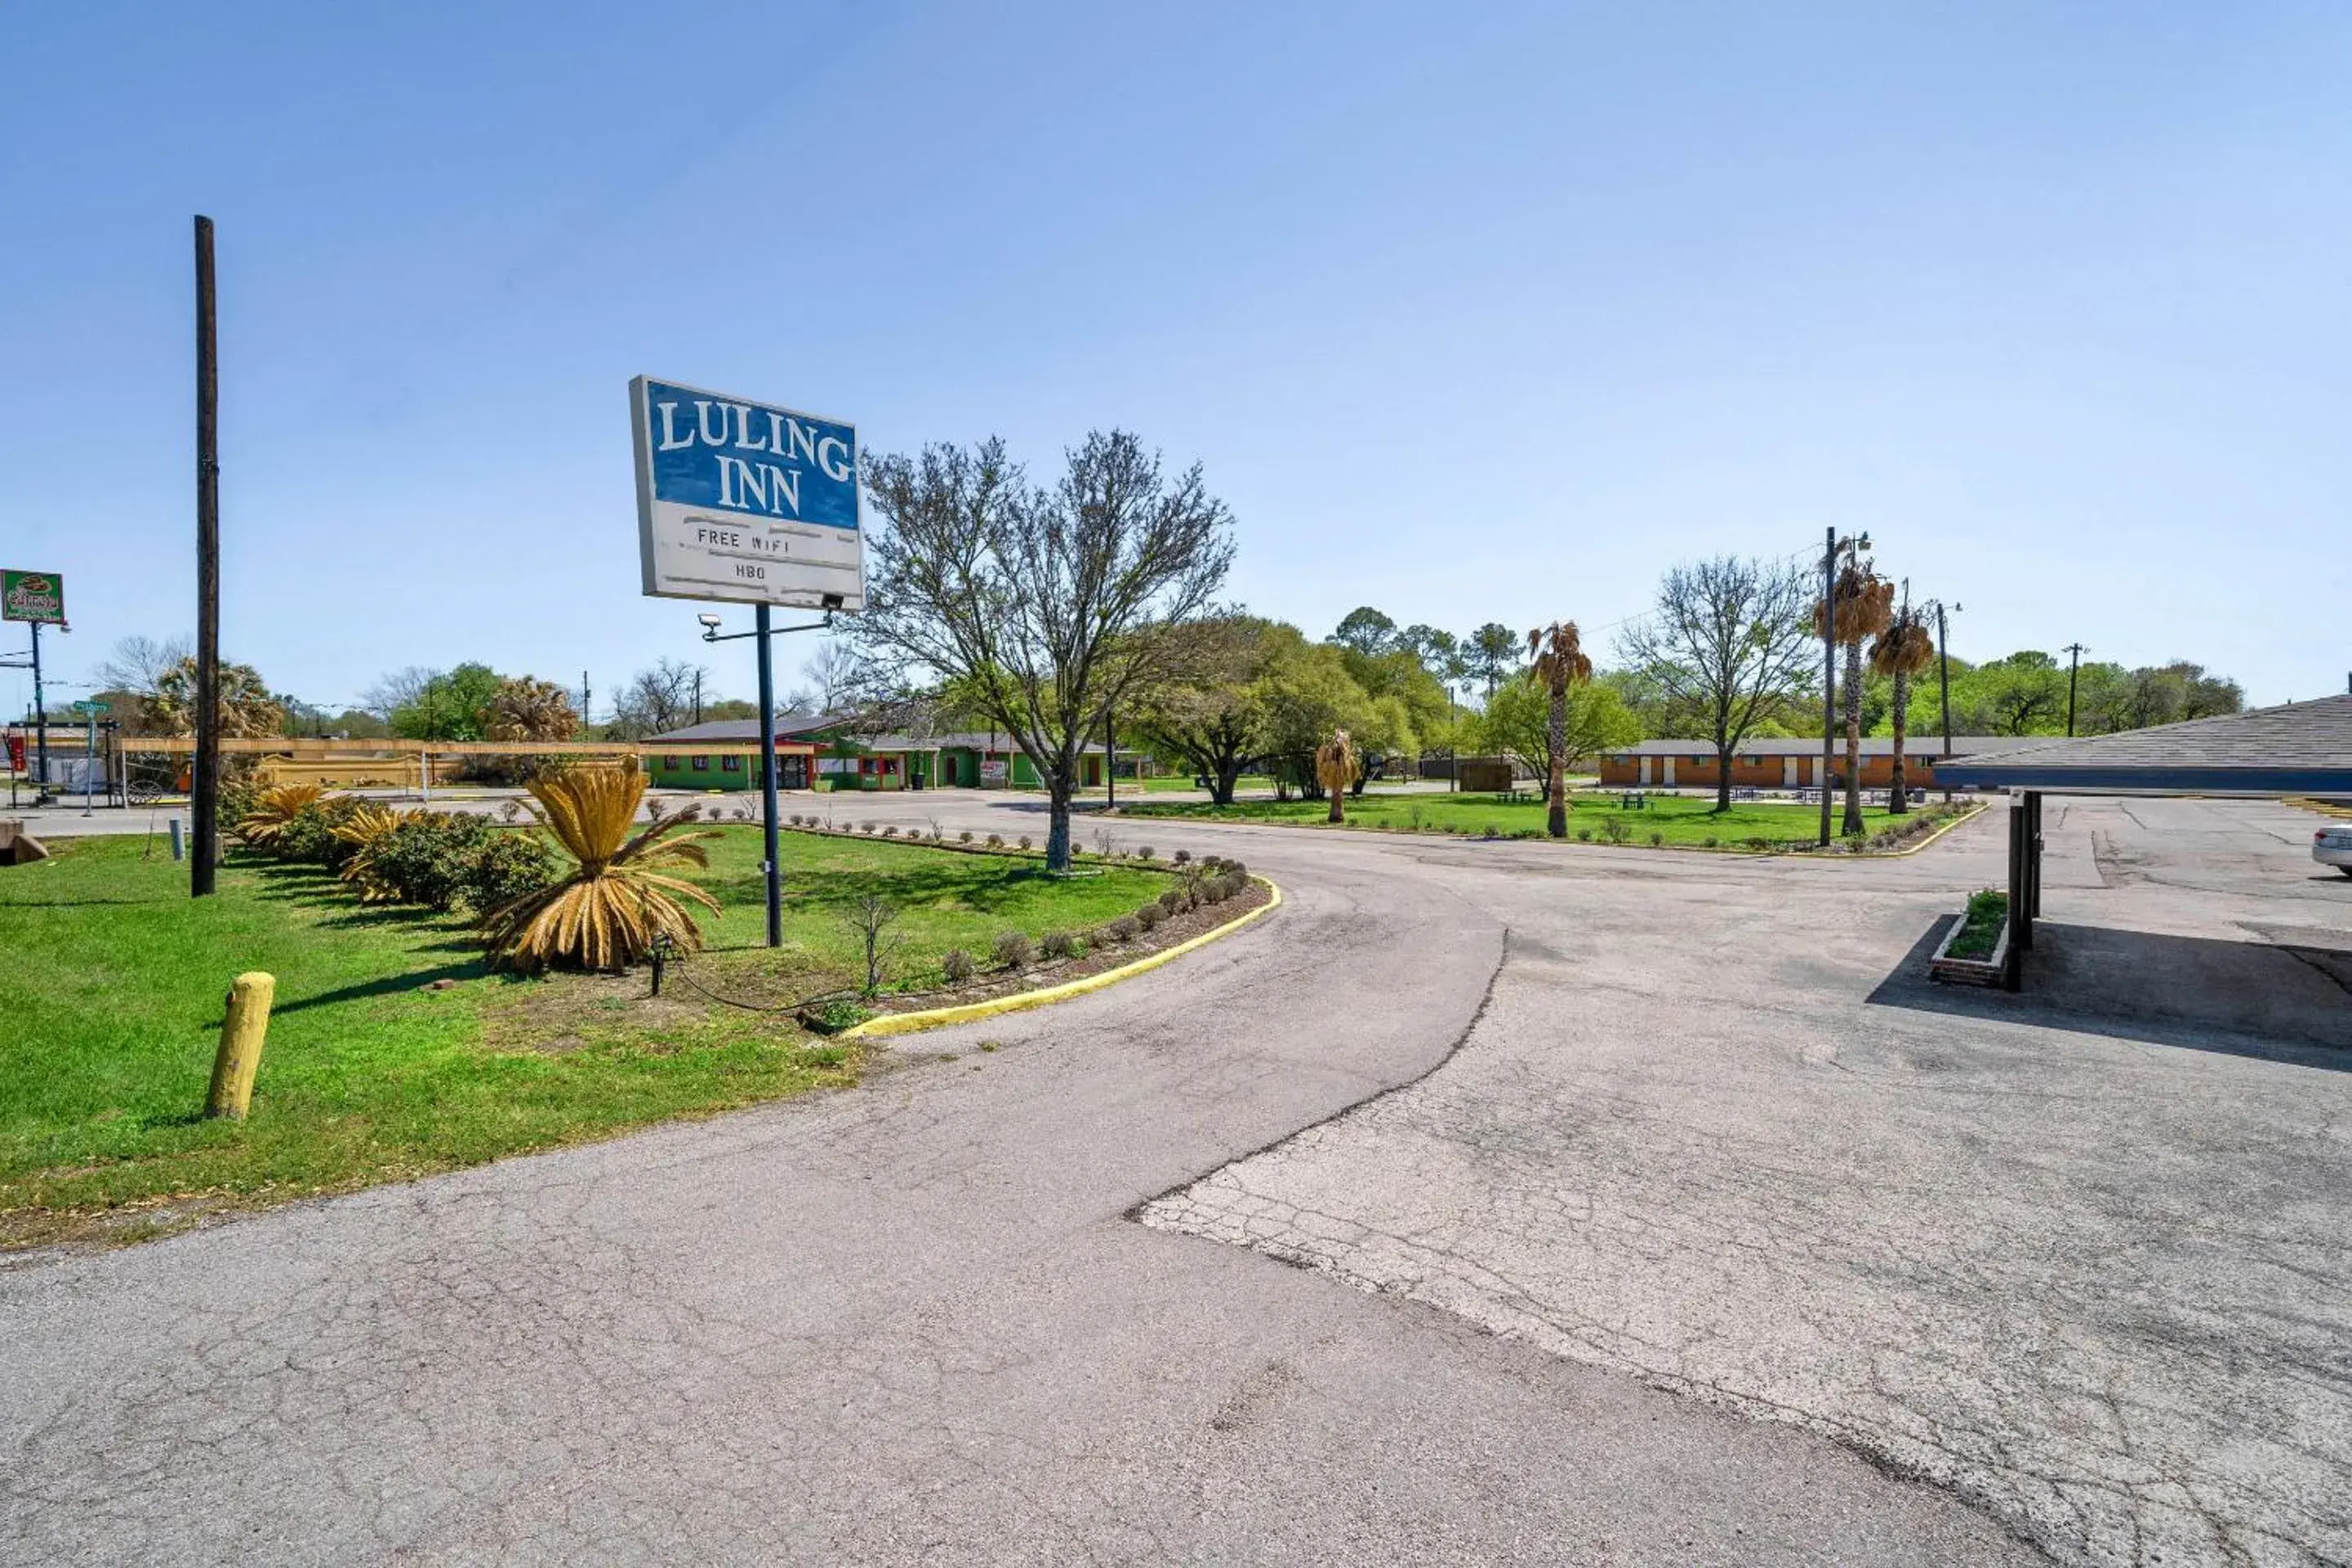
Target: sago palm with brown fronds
x=1903 y=649
x=1558 y=662
x=1865 y=604
x=1335 y=767
x=274 y=813
x=367 y=832
x=608 y=912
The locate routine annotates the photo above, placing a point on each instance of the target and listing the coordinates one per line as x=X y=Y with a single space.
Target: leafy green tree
x=1305 y=692
x=1208 y=710
x=1596 y=719
x=1490 y=655
x=2023 y=694
x=453 y=705
x=1366 y=631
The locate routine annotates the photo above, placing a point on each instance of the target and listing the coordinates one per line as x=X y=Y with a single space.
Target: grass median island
x=1687 y=820
x=114 y=985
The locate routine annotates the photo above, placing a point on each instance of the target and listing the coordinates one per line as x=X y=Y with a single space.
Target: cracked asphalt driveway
x=916 y=1322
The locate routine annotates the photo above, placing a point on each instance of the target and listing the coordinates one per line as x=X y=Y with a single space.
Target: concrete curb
x=965 y=1013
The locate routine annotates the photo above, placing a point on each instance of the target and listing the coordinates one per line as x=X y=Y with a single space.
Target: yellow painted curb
x=937 y=1018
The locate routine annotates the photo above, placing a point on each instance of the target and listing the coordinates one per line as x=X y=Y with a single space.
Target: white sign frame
x=698 y=548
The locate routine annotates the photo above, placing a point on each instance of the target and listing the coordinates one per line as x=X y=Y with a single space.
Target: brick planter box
x=1986 y=970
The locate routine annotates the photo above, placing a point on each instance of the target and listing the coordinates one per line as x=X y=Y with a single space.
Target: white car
x=2332 y=845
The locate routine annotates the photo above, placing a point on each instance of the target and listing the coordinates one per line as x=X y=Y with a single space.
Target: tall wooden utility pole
x=204 y=804
x=2074 y=652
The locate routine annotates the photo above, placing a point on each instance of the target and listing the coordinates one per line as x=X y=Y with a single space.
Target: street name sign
x=743 y=503
x=33 y=596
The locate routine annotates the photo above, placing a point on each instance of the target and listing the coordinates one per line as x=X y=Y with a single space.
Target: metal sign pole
x=1829 y=677
x=40 y=721
x=773 y=873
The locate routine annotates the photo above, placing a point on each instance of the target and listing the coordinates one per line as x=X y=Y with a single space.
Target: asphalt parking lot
x=1686 y=1225
x=2077 y=1254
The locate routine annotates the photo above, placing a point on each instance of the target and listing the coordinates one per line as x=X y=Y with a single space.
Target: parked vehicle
x=2332 y=845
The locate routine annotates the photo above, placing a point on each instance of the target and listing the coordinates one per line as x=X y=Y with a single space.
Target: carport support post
x=2024 y=883
x=768 y=777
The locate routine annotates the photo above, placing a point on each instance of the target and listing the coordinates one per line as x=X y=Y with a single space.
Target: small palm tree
x=368 y=831
x=274 y=813
x=1557 y=653
x=609 y=912
x=1903 y=649
x=1865 y=604
x=1335 y=767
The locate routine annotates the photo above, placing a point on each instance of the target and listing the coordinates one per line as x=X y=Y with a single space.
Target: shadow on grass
x=415 y=979
x=173 y=898
x=2274 y=1001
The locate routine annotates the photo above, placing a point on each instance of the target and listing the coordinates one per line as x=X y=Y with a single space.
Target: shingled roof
x=2298 y=748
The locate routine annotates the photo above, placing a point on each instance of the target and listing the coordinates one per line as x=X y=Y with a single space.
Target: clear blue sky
x=1472 y=312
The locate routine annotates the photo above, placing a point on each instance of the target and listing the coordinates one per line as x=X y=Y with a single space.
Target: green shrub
x=508 y=864
x=1615 y=828
x=996 y=841
x=1061 y=945
x=1172 y=900
x=964 y=836
x=834 y=1016
x=1760 y=842
x=445 y=860
x=1012 y=950
x=1143 y=851
x=1657 y=838
x=1713 y=842
x=1150 y=916
x=310 y=838
x=1181 y=856
x=1123 y=929
x=1584 y=836
x=957 y=965
x=1023 y=841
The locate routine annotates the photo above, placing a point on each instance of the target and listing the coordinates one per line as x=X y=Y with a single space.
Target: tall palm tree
x=1903 y=649
x=1865 y=604
x=1559 y=663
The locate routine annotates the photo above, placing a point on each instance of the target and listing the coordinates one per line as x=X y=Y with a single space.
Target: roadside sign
x=743 y=503
x=33 y=596
x=90 y=705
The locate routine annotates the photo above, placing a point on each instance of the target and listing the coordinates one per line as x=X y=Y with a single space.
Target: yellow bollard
x=242 y=1032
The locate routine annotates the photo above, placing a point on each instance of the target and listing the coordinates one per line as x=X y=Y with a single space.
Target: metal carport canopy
x=2295 y=749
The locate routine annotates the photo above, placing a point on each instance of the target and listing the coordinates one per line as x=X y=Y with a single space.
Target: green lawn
x=1676 y=819
x=113 y=987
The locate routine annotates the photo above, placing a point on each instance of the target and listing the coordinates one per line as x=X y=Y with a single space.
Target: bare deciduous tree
x=1044 y=604
x=140 y=663
x=401 y=688
x=870 y=918
x=654 y=700
x=1726 y=642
